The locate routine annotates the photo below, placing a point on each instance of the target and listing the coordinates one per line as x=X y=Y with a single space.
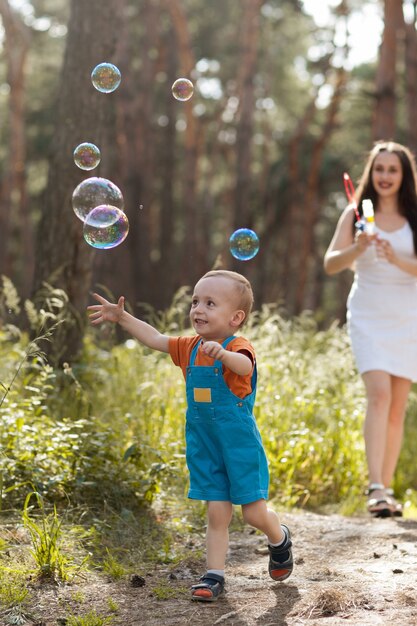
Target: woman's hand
x=385 y=251
x=363 y=240
x=106 y=311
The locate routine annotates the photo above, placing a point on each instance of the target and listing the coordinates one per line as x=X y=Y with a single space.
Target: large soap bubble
x=106 y=77
x=86 y=156
x=244 y=244
x=105 y=227
x=92 y=192
x=182 y=89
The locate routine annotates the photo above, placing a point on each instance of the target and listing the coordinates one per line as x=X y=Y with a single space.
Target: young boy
x=225 y=456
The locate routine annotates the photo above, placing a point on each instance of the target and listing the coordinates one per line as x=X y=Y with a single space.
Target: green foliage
x=15 y=597
x=164 y=592
x=309 y=409
x=109 y=431
x=46 y=538
x=13 y=589
x=112 y=567
x=89 y=619
x=112 y=604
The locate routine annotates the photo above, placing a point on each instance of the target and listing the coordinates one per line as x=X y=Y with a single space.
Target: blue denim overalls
x=225 y=456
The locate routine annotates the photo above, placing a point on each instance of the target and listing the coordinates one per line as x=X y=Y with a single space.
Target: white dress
x=382 y=310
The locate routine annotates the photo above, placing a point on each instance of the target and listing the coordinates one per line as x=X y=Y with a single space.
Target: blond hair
x=243 y=289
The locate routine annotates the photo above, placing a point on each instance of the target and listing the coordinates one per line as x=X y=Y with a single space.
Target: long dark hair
x=407 y=194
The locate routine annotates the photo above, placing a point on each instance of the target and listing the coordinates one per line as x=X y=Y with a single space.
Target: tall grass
x=110 y=429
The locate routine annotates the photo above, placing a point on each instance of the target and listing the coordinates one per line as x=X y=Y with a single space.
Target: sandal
x=379 y=507
x=280 y=570
x=397 y=506
x=210 y=588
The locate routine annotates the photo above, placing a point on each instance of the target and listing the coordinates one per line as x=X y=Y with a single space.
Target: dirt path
x=348 y=570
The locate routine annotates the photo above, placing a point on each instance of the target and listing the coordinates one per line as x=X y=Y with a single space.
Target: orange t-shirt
x=180 y=349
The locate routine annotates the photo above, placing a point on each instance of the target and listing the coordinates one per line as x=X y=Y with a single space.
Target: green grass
x=108 y=431
x=88 y=619
x=13 y=589
x=47 y=539
x=111 y=566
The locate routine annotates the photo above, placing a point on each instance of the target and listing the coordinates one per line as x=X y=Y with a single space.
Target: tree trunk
x=384 y=122
x=191 y=257
x=63 y=258
x=293 y=216
x=411 y=81
x=14 y=211
x=249 y=38
x=311 y=198
x=135 y=150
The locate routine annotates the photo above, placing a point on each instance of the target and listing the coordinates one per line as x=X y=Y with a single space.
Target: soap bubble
x=87 y=156
x=244 y=244
x=106 y=77
x=92 y=192
x=105 y=227
x=182 y=89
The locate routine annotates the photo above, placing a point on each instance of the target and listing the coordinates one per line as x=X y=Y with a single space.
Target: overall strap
x=194 y=352
x=197 y=345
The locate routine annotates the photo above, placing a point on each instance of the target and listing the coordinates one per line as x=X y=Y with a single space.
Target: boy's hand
x=239 y=362
x=106 y=311
x=213 y=349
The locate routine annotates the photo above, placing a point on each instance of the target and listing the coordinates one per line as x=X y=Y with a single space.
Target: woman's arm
x=344 y=248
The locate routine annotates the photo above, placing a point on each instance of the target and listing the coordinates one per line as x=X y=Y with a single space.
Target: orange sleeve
x=180 y=349
x=240 y=385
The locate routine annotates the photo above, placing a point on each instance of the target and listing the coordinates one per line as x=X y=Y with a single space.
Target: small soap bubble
x=106 y=77
x=244 y=244
x=92 y=192
x=105 y=227
x=182 y=89
x=86 y=156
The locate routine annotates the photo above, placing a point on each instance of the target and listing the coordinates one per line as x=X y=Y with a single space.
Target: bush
x=110 y=428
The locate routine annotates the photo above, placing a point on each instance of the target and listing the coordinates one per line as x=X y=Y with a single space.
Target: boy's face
x=214 y=311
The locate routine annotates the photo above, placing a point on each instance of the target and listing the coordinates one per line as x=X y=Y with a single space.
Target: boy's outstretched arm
x=145 y=333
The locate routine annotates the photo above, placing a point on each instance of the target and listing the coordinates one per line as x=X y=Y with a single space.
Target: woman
x=382 y=307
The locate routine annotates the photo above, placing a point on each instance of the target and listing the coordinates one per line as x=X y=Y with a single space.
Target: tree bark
x=411 y=81
x=248 y=56
x=384 y=122
x=135 y=156
x=191 y=248
x=14 y=210
x=63 y=258
x=311 y=197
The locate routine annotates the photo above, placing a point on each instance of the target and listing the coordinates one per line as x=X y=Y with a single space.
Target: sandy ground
x=355 y=571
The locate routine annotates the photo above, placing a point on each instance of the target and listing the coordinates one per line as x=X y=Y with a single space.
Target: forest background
x=279 y=113
x=92 y=462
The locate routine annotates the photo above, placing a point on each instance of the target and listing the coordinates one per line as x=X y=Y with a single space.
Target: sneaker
x=280 y=558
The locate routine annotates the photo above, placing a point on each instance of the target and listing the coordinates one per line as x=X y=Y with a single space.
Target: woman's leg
x=400 y=389
x=378 y=393
x=219 y=516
